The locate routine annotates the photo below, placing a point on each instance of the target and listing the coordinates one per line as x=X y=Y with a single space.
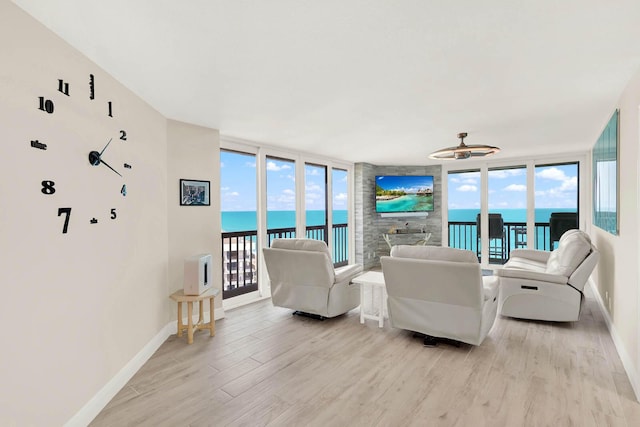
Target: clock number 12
x=66 y=211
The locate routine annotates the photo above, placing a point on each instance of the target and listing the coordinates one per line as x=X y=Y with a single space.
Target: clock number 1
x=66 y=220
x=110 y=110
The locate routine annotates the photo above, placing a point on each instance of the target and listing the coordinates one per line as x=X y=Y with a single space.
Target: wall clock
x=108 y=166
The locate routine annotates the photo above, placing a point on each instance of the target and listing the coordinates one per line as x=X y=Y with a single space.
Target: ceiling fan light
x=464 y=151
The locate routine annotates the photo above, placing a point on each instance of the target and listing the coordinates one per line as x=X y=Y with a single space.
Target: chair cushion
x=436 y=253
x=572 y=250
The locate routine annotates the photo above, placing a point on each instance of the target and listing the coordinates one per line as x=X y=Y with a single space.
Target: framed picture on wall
x=194 y=192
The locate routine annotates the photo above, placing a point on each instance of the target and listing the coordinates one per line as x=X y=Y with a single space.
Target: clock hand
x=105 y=147
x=107 y=165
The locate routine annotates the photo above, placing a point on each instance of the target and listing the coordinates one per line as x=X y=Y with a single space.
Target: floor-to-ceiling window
x=556 y=202
x=507 y=212
x=238 y=210
x=339 y=215
x=463 y=203
x=281 y=198
x=268 y=193
x=528 y=204
x=315 y=201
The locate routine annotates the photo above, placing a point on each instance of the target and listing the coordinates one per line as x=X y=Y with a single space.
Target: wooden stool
x=180 y=297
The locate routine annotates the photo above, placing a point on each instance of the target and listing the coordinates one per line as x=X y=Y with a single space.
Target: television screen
x=407 y=193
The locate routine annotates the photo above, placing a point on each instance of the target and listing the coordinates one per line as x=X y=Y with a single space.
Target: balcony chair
x=559 y=222
x=497 y=240
x=545 y=285
x=303 y=278
x=439 y=292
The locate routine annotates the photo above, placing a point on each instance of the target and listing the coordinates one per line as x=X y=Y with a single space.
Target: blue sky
x=238 y=184
x=555 y=187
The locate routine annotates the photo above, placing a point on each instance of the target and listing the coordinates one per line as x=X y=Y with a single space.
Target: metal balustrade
x=240 y=254
x=464 y=235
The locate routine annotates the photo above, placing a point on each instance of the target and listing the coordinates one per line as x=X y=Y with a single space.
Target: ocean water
x=508 y=215
x=246 y=220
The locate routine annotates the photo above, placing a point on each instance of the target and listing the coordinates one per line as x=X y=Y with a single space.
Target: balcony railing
x=239 y=254
x=464 y=235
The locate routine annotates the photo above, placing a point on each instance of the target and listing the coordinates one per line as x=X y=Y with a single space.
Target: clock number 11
x=66 y=211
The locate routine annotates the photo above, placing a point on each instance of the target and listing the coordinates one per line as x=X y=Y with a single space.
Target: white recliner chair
x=303 y=278
x=439 y=292
x=545 y=285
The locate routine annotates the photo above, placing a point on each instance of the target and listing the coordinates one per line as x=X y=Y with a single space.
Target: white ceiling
x=377 y=81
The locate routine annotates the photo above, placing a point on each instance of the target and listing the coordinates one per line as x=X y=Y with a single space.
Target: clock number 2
x=67 y=211
x=123 y=135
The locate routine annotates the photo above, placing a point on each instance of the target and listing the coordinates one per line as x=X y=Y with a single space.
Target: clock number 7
x=66 y=220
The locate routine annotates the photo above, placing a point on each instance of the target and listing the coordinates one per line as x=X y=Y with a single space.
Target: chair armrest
x=540 y=256
x=490 y=285
x=514 y=273
x=347 y=272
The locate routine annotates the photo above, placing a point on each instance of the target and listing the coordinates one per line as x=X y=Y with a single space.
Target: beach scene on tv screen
x=404 y=193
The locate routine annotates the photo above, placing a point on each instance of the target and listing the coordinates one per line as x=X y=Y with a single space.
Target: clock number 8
x=48 y=187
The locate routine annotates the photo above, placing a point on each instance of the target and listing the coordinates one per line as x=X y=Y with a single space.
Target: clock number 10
x=66 y=211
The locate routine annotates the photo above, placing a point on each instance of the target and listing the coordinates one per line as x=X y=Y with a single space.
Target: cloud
x=552 y=173
x=467 y=188
x=340 y=196
x=250 y=164
x=515 y=187
x=506 y=173
x=273 y=167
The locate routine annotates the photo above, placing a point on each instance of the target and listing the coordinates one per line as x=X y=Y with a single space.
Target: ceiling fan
x=463 y=151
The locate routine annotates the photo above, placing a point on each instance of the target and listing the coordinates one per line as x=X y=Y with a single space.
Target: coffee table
x=375 y=280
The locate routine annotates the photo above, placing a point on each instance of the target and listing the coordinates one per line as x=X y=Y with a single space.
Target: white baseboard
x=627 y=362
x=93 y=407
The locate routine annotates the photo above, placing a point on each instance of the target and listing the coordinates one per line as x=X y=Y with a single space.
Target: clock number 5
x=66 y=220
x=113 y=213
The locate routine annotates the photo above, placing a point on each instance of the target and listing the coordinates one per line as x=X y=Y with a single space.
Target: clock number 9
x=66 y=220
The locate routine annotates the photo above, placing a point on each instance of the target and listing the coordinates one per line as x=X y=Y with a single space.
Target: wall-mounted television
x=398 y=194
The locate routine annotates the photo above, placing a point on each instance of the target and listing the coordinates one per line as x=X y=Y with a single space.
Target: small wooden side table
x=180 y=297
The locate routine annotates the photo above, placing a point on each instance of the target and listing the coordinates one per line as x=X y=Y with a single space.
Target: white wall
x=616 y=275
x=193 y=153
x=78 y=307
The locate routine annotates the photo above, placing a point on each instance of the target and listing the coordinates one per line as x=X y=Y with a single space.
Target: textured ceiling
x=384 y=82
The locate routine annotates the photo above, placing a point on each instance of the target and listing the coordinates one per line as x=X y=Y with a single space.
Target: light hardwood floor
x=266 y=367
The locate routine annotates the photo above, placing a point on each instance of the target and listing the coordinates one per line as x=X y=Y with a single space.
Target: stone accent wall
x=370 y=226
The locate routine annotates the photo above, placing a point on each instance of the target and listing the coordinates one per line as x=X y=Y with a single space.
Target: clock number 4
x=66 y=211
